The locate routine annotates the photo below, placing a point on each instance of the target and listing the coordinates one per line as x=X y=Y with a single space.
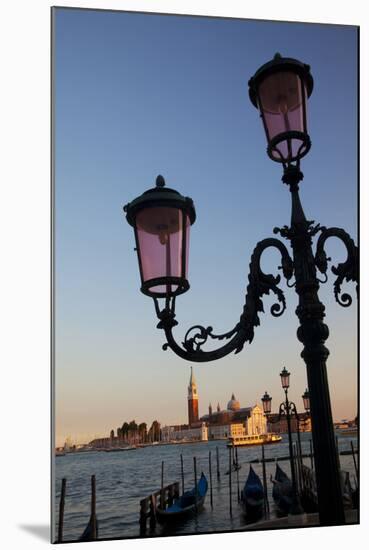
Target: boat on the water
x=91 y=531
x=188 y=504
x=260 y=439
x=348 y=432
x=252 y=496
x=119 y=449
x=235 y=468
x=282 y=490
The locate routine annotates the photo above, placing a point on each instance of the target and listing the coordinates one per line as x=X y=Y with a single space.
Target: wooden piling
x=152 y=512
x=171 y=495
x=338 y=453
x=143 y=516
x=297 y=466
x=182 y=474
x=237 y=477
x=195 y=472
x=93 y=509
x=230 y=481
x=355 y=464
x=218 y=472
x=211 y=481
x=162 y=475
x=176 y=490
x=61 y=510
x=311 y=455
x=266 y=502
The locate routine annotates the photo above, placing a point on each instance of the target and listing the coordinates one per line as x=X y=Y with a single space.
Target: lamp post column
x=313 y=333
x=296 y=508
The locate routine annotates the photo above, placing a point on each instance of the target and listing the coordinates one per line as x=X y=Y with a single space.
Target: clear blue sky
x=137 y=95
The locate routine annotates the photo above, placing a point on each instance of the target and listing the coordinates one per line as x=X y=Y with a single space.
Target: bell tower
x=193 y=401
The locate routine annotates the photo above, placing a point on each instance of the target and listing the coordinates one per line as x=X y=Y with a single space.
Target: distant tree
x=154 y=432
x=112 y=434
x=142 y=432
x=132 y=430
x=125 y=429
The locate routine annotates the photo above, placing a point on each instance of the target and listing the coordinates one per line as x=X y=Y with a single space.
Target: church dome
x=233 y=404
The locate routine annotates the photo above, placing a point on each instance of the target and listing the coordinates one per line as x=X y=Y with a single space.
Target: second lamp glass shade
x=282 y=100
x=280 y=89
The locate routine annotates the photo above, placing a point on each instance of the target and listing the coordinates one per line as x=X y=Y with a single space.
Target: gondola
x=186 y=505
x=282 y=490
x=235 y=468
x=252 y=496
x=91 y=531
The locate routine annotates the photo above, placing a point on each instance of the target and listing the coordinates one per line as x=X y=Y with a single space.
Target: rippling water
x=124 y=478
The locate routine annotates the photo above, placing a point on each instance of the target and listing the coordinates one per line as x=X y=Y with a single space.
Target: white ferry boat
x=261 y=439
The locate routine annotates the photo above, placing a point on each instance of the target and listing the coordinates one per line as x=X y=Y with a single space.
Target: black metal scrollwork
x=347 y=270
x=259 y=285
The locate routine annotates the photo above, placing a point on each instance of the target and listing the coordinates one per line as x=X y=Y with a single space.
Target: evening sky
x=139 y=95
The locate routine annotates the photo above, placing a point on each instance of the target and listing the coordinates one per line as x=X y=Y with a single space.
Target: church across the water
x=219 y=424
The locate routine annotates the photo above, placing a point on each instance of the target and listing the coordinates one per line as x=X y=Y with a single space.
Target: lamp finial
x=160 y=181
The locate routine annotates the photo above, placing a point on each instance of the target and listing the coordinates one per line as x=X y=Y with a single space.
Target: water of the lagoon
x=124 y=478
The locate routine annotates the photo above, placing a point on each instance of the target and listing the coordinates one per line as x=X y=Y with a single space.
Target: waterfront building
x=184 y=433
x=235 y=420
x=279 y=426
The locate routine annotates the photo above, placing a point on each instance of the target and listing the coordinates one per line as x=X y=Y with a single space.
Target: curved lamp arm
x=259 y=284
x=282 y=410
x=347 y=270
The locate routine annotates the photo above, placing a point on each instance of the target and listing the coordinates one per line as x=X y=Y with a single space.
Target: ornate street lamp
x=279 y=89
x=267 y=404
x=306 y=400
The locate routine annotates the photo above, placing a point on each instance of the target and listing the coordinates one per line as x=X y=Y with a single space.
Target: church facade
x=234 y=420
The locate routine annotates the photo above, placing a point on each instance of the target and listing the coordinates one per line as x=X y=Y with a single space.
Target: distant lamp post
x=306 y=400
x=289 y=408
x=267 y=403
x=162 y=218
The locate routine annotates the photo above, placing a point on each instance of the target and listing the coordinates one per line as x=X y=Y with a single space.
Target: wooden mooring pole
x=162 y=475
x=93 y=509
x=195 y=472
x=311 y=455
x=355 y=464
x=211 y=481
x=230 y=481
x=182 y=474
x=338 y=453
x=218 y=472
x=61 y=510
x=266 y=502
x=238 y=477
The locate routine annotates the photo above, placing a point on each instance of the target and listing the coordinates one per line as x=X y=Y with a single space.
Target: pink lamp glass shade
x=282 y=102
x=306 y=400
x=267 y=403
x=161 y=240
x=285 y=379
